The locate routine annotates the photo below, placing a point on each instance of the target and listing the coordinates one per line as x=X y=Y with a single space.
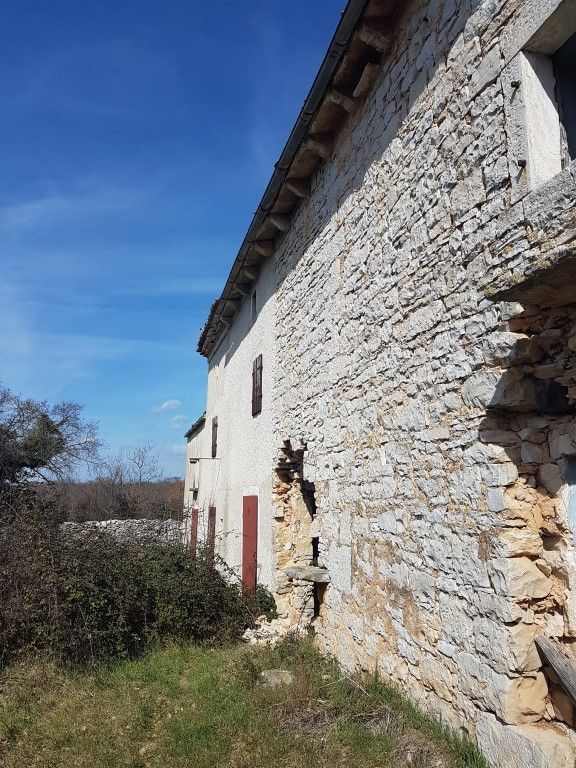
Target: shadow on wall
x=529 y=434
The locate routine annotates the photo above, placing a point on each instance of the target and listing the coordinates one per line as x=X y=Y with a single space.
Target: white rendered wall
x=246 y=448
x=195 y=449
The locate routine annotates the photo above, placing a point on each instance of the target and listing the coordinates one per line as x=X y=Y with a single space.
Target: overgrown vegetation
x=88 y=598
x=193 y=706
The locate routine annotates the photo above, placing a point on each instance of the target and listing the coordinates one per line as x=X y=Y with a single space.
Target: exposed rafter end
x=320 y=146
x=347 y=104
x=374 y=38
x=300 y=187
x=367 y=80
x=233 y=304
x=242 y=289
x=264 y=247
x=282 y=223
x=251 y=273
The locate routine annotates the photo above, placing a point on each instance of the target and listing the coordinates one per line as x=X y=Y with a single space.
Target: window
x=564 y=61
x=254 y=307
x=214 y=437
x=542 y=89
x=257 y=386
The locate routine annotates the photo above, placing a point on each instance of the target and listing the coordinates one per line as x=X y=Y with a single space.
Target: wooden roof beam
x=300 y=187
x=232 y=304
x=367 y=80
x=336 y=97
x=242 y=289
x=282 y=223
x=320 y=146
x=251 y=273
x=374 y=38
x=264 y=247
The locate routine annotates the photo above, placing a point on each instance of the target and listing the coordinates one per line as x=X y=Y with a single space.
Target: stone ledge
x=549 y=281
x=308 y=573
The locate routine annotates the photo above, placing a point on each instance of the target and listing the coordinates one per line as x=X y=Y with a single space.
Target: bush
x=88 y=597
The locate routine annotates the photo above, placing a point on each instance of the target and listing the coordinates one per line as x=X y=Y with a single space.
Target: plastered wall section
x=392 y=362
x=246 y=447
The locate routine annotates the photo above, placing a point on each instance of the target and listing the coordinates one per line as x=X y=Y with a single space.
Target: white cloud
x=178 y=449
x=177 y=421
x=87 y=200
x=167 y=405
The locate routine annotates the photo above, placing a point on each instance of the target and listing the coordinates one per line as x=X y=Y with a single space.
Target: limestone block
x=497 y=500
x=486 y=453
x=550 y=476
x=497 y=608
x=520 y=578
x=514 y=542
x=468 y=193
x=533 y=454
x=514 y=700
x=499 y=474
x=510 y=389
x=524 y=746
x=507 y=648
x=437 y=677
x=561 y=445
x=532 y=435
x=507 y=349
x=525 y=701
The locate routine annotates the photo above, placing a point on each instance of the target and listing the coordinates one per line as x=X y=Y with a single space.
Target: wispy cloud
x=177 y=421
x=167 y=405
x=89 y=200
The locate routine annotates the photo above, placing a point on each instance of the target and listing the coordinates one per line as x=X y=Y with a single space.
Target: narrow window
x=254 y=307
x=257 y=386
x=564 y=61
x=543 y=137
x=214 y=436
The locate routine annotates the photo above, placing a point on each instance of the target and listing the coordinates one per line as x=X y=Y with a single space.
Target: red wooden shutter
x=214 y=436
x=257 y=386
x=249 y=542
x=211 y=533
x=193 y=530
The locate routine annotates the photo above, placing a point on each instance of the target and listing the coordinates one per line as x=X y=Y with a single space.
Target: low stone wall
x=163 y=531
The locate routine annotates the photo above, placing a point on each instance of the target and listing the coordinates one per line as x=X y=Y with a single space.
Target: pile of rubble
x=269 y=633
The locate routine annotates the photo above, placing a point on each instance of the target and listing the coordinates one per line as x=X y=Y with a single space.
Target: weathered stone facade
x=435 y=421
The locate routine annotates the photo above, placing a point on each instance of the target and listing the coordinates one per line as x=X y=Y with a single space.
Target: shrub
x=88 y=597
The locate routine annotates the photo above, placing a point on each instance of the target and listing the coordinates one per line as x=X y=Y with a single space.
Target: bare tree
x=43 y=441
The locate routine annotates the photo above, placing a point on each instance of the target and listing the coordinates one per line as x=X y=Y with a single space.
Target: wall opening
x=301 y=581
x=564 y=61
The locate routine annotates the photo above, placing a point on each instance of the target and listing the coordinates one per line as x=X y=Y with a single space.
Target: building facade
x=418 y=468
x=231 y=456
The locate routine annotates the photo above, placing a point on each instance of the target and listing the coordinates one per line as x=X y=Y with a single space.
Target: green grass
x=202 y=708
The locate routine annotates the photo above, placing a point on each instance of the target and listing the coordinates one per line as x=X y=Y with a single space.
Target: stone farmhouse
x=390 y=432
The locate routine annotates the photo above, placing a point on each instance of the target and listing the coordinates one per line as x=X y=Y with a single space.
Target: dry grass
x=200 y=708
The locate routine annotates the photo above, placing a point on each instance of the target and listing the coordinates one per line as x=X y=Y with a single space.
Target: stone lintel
x=308 y=573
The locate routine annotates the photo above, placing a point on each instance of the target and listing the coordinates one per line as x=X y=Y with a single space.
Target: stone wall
x=162 y=531
x=439 y=471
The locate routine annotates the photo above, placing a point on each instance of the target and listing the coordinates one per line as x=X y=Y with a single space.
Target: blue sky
x=136 y=139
